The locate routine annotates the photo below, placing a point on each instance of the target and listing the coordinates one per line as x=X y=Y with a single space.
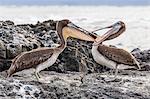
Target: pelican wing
x=116 y=54
x=30 y=59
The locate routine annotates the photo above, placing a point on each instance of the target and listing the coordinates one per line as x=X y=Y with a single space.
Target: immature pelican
x=42 y=58
x=114 y=58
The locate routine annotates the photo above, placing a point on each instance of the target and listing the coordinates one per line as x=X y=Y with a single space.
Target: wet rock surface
x=76 y=74
x=75 y=85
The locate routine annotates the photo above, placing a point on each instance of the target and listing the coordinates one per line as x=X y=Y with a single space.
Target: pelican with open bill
x=44 y=57
x=112 y=57
x=94 y=35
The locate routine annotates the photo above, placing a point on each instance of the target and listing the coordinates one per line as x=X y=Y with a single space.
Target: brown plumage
x=117 y=29
x=113 y=57
x=117 y=55
x=29 y=59
x=42 y=58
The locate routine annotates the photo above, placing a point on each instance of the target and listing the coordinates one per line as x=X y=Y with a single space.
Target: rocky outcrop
x=92 y=82
x=15 y=39
x=75 y=85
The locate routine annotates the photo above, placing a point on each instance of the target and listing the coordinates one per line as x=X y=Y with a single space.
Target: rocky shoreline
x=129 y=85
x=72 y=65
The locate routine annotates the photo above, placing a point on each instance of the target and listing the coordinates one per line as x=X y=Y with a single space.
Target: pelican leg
x=37 y=75
x=116 y=71
x=82 y=78
x=113 y=78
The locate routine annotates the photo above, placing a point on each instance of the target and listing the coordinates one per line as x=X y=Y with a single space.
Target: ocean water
x=136 y=18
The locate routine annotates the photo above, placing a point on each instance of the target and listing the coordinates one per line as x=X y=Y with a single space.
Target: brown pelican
x=42 y=58
x=112 y=57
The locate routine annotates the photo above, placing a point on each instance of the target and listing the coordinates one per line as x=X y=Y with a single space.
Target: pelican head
x=65 y=28
x=64 y=23
x=117 y=29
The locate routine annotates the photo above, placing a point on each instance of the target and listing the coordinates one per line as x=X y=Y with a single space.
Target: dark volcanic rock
x=15 y=39
x=69 y=86
x=19 y=38
x=2 y=50
x=64 y=84
x=143 y=57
